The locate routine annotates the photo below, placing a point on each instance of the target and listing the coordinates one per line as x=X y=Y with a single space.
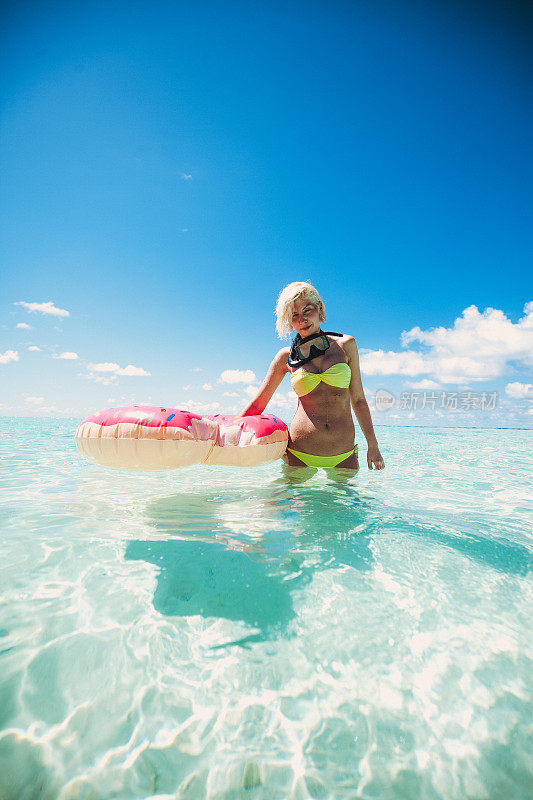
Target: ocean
x=267 y=633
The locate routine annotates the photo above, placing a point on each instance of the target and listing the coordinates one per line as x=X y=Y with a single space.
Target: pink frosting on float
x=155 y=437
x=152 y=416
x=159 y=417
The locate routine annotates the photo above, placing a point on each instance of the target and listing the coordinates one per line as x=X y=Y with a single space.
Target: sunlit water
x=266 y=633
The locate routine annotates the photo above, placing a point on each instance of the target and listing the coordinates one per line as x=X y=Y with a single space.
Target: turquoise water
x=221 y=633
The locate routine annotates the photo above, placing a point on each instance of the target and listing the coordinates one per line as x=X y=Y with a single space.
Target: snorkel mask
x=304 y=350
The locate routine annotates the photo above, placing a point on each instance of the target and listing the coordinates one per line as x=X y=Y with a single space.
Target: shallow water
x=267 y=633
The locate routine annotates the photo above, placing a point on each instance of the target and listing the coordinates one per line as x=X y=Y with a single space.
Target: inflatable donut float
x=150 y=437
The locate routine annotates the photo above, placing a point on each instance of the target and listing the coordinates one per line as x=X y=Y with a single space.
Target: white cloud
x=43 y=308
x=34 y=347
x=425 y=383
x=519 y=391
x=132 y=371
x=251 y=391
x=24 y=326
x=237 y=376
x=104 y=366
x=109 y=366
x=9 y=355
x=35 y=401
x=196 y=369
x=377 y=362
x=106 y=380
x=186 y=176
x=477 y=347
x=287 y=400
x=67 y=356
x=201 y=408
x=230 y=394
x=207 y=387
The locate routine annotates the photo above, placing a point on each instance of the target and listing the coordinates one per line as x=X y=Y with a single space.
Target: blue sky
x=169 y=167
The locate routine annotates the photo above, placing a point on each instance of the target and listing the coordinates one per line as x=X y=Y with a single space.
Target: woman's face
x=305 y=318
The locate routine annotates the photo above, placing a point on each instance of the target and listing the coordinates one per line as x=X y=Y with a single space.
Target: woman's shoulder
x=347 y=344
x=344 y=339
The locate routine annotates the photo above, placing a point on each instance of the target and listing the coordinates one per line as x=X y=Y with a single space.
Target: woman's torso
x=323 y=423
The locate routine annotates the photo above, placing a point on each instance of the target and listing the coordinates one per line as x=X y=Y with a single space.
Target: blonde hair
x=285 y=305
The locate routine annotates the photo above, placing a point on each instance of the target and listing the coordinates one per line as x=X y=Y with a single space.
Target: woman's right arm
x=276 y=372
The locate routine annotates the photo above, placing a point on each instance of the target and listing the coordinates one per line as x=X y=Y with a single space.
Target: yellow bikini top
x=304 y=382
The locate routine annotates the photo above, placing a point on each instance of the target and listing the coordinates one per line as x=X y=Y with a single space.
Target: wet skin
x=323 y=423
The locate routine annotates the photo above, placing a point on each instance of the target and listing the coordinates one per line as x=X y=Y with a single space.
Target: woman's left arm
x=360 y=406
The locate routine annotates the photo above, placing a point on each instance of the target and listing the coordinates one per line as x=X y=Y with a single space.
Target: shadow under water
x=242 y=554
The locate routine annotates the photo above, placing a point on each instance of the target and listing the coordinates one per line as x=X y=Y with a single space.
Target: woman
x=325 y=375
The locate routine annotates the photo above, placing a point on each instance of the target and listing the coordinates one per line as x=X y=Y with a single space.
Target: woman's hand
x=373 y=456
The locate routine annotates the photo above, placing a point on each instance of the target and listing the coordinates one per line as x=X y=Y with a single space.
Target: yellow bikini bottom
x=323 y=461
